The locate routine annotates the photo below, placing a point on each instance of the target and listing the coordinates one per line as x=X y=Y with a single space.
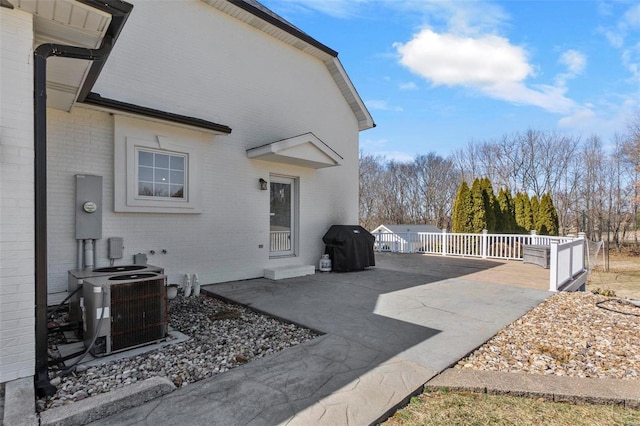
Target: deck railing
x=569 y=262
x=485 y=245
x=567 y=266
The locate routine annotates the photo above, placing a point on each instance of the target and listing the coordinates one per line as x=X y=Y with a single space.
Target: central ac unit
x=124 y=311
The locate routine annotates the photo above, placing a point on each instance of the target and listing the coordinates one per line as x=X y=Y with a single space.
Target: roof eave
x=124 y=108
x=120 y=12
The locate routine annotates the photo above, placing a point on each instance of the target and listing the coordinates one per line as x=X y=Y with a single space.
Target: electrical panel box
x=116 y=247
x=88 y=207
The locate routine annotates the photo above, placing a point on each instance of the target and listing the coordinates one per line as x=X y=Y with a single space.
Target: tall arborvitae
x=518 y=205
x=524 y=217
x=461 y=217
x=547 y=223
x=478 y=207
x=489 y=204
x=507 y=212
x=535 y=208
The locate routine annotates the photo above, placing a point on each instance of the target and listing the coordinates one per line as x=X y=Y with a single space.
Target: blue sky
x=438 y=74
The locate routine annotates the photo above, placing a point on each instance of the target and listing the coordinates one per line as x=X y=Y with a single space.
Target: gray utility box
x=537 y=254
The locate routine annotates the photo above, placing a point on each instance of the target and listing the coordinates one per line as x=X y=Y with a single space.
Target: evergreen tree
x=507 y=212
x=461 y=218
x=535 y=208
x=524 y=217
x=519 y=210
x=489 y=204
x=478 y=207
x=547 y=223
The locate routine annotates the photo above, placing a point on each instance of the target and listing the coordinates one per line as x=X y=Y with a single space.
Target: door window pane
x=281 y=217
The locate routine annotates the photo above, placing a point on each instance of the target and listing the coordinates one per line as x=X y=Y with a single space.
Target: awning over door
x=304 y=150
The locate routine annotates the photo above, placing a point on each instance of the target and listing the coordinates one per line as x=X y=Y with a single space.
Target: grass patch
x=462 y=408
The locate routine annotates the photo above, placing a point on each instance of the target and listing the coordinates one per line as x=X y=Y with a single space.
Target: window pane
x=162 y=161
x=145 y=189
x=161 y=176
x=161 y=190
x=177 y=177
x=177 y=191
x=145 y=174
x=177 y=163
x=145 y=158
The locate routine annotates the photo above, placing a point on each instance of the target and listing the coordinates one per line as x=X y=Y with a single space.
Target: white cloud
x=487 y=63
x=547 y=97
x=408 y=86
x=632 y=17
x=606 y=119
x=631 y=60
x=578 y=119
x=335 y=8
x=380 y=148
x=448 y=59
x=628 y=22
x=398 y=156
x=575 y=62
x=471 y=18
x=382 y=106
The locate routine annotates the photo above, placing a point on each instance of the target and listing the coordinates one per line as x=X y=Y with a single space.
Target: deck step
x=282 y=272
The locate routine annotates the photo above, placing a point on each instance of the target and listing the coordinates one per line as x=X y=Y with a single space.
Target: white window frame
x=131 y=135
x=185 y=171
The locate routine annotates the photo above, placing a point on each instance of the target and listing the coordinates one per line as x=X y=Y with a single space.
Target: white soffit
x=304 y=150
x=70 y=23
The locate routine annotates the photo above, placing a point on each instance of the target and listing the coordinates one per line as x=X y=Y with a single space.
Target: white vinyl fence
x=491 y=246
x=567 y=266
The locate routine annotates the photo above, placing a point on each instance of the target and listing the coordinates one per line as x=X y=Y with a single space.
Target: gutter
x=120 y=12
x=96 y=100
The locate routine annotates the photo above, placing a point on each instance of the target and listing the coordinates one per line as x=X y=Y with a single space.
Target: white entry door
x=283 y=216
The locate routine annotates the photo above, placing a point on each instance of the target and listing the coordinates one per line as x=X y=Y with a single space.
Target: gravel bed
x=222 y=336
x=569 y=334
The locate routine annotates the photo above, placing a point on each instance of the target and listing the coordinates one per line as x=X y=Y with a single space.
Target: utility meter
x=89 y=207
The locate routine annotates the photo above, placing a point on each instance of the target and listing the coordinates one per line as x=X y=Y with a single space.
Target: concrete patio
x=386 y=331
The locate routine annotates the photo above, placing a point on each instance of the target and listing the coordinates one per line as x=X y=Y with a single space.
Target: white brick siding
x=230 y=73
x=17 y=281
x=187 y=58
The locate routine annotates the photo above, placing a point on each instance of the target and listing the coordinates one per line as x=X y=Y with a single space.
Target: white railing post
x=583 y=236
x=553 y=266
x=444 y=242
x=534 y=239
x=485 y=241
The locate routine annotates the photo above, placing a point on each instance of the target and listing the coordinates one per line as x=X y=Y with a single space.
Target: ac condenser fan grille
x=138 y=313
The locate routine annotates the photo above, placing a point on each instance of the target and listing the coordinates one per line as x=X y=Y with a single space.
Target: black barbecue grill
x=350 y=247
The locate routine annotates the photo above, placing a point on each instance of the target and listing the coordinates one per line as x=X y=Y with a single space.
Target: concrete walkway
x=387 y=331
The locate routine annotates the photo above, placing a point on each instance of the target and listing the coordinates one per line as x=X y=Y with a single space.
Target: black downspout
x=44 y=51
